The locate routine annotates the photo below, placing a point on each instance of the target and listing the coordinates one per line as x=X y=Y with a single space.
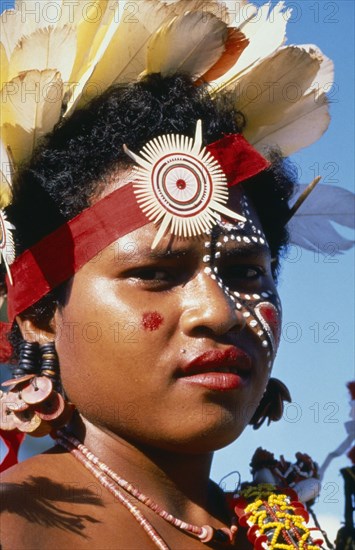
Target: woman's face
x=173 y=347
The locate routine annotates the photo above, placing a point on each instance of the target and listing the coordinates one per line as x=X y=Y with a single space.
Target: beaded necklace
x=113 y=482
x=287 y=518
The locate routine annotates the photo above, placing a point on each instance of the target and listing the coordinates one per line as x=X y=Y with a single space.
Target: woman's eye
x=246 y=272
x=151 y=275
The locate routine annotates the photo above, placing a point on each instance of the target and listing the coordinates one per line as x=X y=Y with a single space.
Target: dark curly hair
x=75 y=162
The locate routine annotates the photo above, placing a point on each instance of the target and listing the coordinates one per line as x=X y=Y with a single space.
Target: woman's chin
x=205 y=439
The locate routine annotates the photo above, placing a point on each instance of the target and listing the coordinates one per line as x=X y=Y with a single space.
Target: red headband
x=62 y=253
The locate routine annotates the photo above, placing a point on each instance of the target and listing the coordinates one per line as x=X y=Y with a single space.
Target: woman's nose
x=208 y=307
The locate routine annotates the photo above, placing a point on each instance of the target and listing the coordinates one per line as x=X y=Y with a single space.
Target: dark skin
x=136 y=414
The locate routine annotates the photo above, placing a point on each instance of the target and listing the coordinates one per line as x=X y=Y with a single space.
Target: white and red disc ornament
x=179 y=184
x=7 y=246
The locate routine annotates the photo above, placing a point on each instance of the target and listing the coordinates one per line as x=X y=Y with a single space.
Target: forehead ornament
x=181 y=185
x=40 y=268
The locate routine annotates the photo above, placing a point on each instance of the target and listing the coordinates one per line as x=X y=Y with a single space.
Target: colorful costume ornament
x=275 y=519
x=179 y=36
x=276 y=505
x=302 y=476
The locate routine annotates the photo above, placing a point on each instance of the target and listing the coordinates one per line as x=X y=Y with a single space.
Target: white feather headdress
x=56 y=56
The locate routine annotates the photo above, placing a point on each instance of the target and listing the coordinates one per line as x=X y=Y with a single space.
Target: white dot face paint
x=262 y=309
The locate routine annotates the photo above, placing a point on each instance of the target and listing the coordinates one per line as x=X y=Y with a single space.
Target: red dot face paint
x=152 y=320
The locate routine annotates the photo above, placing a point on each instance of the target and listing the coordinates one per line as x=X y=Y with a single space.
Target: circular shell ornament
x=179 y=184
x=7 y=246
x=37 y=390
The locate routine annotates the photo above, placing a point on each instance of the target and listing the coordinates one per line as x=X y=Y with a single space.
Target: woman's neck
x=177 y=482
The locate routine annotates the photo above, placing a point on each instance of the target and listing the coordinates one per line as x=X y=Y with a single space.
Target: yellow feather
x=49 y=48
x=11 y=30
x=140 y=20
x=58 y=12
x=217 y=8
x=325 y=76
x=40 y=13
x=303 y=124
x=62 y=12
x=266 y=32
x=191 y=43
x=116 y=40
x=265 y=93
x=76 y=94
x=30 y=107
x=30 y=16
x=4 y=66
x=94 y=22
x=290 y=108
x=230 y=11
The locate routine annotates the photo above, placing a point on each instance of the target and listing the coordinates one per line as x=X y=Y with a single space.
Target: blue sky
x=316 y=356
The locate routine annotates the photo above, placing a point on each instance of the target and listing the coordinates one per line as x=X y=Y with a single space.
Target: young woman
x=145 y=320
x=157 y=348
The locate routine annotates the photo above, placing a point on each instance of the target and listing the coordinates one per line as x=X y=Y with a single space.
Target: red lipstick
x=218 y=370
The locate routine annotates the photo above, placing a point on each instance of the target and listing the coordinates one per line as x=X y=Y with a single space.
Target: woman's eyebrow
x=159 y=254
x=169 y=254
x=247 y=249
x=239 y=249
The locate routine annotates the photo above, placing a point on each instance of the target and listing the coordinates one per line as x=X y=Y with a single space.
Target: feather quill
x=5 y=176
x=313 y=225
x=31 y=106
x=191 y=43
x=4 y=66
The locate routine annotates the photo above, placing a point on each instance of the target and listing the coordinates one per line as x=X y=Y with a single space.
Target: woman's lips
x=219 y=370
x=217 y=381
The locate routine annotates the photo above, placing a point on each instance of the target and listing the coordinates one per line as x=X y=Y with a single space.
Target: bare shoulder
x=51 y=497
x=43 y=497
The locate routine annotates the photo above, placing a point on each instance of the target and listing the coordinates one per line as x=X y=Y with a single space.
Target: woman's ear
x=32 y=332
